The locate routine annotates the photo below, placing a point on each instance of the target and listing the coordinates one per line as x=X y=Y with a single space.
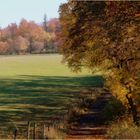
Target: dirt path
x=91 y=125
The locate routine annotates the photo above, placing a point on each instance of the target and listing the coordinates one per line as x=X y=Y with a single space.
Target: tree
x=53 y=25
x=32 y=32
x=104 y=35
x=45 y=23
x=31 y=35
x=38 y=47
x=123 y=51
x=9 y=32
x=21 y=45
x=4 y=47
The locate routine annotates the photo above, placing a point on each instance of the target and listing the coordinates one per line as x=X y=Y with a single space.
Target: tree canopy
x=104 y=34
x=29 y=37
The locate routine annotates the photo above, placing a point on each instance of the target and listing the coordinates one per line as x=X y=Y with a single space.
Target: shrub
x=113 y=109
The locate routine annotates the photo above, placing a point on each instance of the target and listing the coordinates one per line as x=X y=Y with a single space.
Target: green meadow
x=38 y=87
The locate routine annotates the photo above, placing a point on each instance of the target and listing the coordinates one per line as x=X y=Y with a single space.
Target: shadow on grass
x=38 y=97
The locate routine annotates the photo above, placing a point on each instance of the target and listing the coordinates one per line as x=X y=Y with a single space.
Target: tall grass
x=123 y=129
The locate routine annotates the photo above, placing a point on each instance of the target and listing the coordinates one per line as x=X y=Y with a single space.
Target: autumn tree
x=4 y=47
x=21 y=45
x=123 y=52
x=53 y=29
x=32 y=32
x=53 y=25
x=29 y=37
x=104 y=35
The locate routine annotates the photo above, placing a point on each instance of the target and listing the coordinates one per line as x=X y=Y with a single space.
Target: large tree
x=105 y=35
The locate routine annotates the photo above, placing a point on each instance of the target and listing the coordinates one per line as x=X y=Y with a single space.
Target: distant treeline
x=29 y=37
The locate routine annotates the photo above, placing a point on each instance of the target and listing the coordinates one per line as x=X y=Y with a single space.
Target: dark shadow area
x=94 y=122
x=31 y=97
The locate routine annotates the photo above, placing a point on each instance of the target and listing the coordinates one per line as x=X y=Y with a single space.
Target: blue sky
x=12 y=11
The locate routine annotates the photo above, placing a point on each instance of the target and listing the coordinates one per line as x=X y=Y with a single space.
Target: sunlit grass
x=49 y=65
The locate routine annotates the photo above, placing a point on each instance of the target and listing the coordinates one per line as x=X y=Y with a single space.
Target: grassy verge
x=123 y=128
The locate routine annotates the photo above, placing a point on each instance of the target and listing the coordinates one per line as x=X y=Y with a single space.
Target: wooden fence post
x=48 y=127
x=15 y=134
x=28 y=130
x=34 y=131
x=44 y=134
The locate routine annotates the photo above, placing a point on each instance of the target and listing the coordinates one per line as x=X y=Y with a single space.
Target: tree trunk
x=132 y=109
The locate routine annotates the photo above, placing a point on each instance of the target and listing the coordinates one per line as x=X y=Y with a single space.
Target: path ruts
x=91 y=125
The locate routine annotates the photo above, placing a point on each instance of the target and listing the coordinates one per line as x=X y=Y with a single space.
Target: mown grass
x=41 y=65
x=35 y=88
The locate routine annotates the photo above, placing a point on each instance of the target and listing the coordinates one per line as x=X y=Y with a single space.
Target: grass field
x=37 y=86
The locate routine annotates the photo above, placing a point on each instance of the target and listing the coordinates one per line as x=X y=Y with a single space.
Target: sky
x=12 y=11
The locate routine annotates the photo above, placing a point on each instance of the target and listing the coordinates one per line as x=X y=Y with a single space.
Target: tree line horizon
x=30 y=37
